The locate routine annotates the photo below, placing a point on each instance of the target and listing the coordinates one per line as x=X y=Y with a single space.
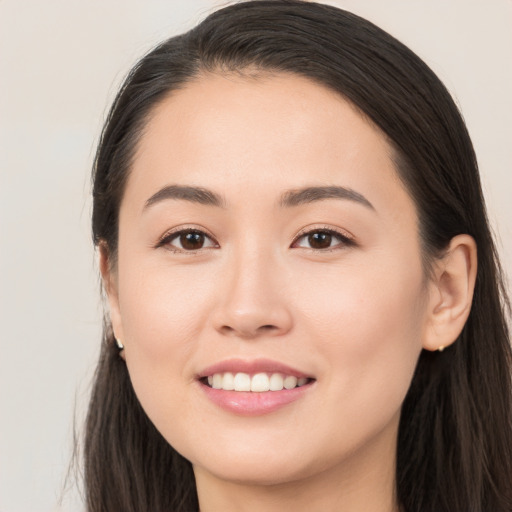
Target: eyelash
x=166 y=240
x=343 y=239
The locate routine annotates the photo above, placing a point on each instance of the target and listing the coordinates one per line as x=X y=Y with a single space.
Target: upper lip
x=251 y=367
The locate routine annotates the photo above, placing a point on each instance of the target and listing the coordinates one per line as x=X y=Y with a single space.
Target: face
x=265 y=240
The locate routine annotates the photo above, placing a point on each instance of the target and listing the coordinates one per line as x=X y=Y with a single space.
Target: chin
x=257 y=472
x=264 y=462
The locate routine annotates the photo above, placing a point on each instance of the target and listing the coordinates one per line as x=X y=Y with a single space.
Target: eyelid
x=346 y=238
x=176 y=231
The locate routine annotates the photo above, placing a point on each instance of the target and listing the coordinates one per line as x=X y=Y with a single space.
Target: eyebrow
x=290 y=198
x=186 y=193
x=312 y=194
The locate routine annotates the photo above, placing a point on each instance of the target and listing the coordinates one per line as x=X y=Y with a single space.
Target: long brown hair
x=454 y=449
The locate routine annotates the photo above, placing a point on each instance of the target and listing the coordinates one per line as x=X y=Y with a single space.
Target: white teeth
x=217 y=381
x=276 y=382
x=258 y=383
x=290 y=382
x=228 y=382
x=242 y=382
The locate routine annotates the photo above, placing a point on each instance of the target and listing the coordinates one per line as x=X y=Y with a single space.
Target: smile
x=253 y=388
x=257 y=383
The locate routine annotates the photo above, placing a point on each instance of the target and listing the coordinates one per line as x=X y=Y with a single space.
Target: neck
x=365 y=482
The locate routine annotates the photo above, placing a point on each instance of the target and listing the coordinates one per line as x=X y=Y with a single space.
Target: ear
x=110 y=286
x=451 y=293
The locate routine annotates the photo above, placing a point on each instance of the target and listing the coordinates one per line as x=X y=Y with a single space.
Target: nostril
x=267 y=327
x=247 y=331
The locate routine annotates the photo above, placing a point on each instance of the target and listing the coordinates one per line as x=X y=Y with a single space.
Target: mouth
x=252 y=388
x=256 y=383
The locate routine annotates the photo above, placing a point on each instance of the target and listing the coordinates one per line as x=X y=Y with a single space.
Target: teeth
x=217 y=381
x=258 y=383
x=228 y=382
x=290 y=382
x=242 y=382
x=276 y=382
x=302 y=381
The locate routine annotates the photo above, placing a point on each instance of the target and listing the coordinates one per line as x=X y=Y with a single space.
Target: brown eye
x=192 y=241
x=323 y=239
x=320 y=240
x=187 y=240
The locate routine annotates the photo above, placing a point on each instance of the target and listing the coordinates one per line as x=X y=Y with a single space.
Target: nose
x=254 y=302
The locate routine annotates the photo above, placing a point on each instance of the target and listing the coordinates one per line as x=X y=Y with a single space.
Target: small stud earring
x=441 y=348
x=119 y=344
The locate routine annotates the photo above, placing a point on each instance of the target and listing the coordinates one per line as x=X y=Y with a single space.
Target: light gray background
x=61 y=62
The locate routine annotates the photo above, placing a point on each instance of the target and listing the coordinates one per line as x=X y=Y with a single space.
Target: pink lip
x=246 y=403
x=251 y=367
x=252 y=403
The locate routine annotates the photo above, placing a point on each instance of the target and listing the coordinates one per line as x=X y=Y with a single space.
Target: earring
x=441 y=348
x=119 y=344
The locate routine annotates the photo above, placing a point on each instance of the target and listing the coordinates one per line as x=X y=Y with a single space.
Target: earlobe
x=111 y=289
x=451 y=293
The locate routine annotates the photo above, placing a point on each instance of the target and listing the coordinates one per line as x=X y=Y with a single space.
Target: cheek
x=368 y=325
x=163 y=313
x=367 y=304
x=163 y=310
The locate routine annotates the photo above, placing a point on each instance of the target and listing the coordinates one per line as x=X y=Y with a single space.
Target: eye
x=187 y=240
x=322 y=239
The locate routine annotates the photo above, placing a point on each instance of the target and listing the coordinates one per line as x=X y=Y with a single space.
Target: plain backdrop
x=61 y=62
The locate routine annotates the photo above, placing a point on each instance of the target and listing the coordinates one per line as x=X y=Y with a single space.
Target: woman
x=306 y=308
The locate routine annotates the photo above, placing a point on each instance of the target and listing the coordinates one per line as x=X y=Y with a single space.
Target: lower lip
x=248 y=403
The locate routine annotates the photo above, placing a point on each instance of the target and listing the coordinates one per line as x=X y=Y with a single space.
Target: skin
x=355 y=315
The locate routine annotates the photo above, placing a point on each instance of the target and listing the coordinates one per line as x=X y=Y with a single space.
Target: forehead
x=247 y=133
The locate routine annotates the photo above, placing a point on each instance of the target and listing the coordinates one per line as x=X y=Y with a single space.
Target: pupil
x=192 y=241
x=320 y=240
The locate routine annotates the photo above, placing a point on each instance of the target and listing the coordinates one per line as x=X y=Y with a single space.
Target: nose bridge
x=254 y=302
x=251 y=277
